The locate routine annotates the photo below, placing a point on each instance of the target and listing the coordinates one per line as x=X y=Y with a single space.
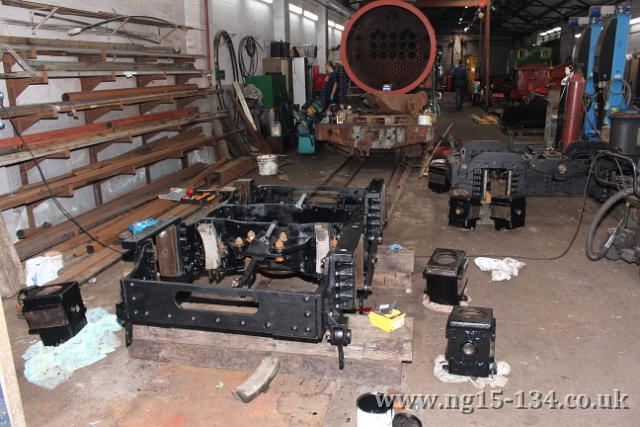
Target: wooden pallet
x=373 y=356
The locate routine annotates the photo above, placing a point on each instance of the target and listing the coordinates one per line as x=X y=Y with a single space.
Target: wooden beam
x=12 y=277
x=451 y=3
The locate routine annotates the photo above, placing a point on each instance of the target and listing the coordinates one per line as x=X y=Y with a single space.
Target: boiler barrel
x=388 y=45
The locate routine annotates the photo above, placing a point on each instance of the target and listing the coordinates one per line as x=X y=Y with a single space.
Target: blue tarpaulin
x=50 y=366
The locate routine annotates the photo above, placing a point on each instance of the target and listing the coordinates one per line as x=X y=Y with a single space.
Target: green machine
x=273 y=88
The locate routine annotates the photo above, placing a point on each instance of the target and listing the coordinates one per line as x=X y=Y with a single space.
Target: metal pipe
x=207 y=34
x=95 y=95
x=487 y=54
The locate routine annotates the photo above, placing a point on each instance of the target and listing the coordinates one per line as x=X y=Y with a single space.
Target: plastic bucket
x=267 y=165
x=371 y=413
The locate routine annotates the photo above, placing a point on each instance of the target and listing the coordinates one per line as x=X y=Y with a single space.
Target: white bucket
x=267 y=165
x=424 y=120
x=276 y=129
x=371 y=414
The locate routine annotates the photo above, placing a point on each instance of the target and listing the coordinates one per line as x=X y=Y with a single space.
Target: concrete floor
x=564 y=326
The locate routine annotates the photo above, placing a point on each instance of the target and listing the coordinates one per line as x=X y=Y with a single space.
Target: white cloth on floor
x=48 y=366
x=443 y=308
x=501 y=269
x=500 y=379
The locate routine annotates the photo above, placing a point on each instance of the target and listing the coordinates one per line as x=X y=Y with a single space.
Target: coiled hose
x=606 y=206
x=248 y=45
x=223 y=36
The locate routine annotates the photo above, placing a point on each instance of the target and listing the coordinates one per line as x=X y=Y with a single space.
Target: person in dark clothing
x=459 y=83
x=330 y=94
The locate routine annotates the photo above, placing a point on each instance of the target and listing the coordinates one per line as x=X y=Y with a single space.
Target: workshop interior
x=373 y=213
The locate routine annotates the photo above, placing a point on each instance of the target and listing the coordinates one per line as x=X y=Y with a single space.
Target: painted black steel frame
x=249 y=225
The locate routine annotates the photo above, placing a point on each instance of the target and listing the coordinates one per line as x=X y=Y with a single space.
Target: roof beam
x=451 y=3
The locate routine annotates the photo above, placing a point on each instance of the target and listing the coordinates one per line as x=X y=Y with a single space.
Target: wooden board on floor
x=402 y=261
x=394 y=270
x=373 y=355
x=395 y=280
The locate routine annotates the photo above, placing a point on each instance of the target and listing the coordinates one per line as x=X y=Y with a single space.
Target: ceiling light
x=331 y=24
x=339 y=27
x=268 y=1
x=578 y=36
x=635 y=21
x=310 y=15
x=551 y=31
x=295 y=9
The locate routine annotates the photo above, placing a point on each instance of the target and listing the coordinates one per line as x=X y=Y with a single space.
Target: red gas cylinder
x=573 y=110
x=388 y=46
x=449 y=83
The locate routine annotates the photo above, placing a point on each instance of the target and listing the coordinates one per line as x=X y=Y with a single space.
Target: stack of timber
x=64 y=185
x=59 y=143
x=373 y=357
x=85 y=258
x=92 y=59
x=99 y=102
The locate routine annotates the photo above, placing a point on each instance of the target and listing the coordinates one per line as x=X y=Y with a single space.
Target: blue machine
x=602 y=54
x=586 y=56
x=305 y=124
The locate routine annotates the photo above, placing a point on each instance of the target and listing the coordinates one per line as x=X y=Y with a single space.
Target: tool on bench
x=189 y=195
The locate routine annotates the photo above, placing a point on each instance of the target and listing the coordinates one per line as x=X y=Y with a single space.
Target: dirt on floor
x=565 y=327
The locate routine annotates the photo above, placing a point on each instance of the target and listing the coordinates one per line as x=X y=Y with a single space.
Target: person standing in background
x=460 y=83
x=330 y=93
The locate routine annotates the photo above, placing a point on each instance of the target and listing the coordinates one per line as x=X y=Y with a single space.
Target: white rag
x=501 y=269
x=48 y=366
x=40 y=270
x=500 y=379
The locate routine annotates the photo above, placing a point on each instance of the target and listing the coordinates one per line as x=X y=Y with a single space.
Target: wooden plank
x=368 y=342
x=395 y=280
x=12 y=277
x=156 y=68
x=88 y=47
x=44 y=239
x=98 y=172
x=373 y=356
x=364 y=371
x=235 y=169
x=392 y=262
x=8 y=375
x=100 y=15
x=127 y=133
x=249 y=126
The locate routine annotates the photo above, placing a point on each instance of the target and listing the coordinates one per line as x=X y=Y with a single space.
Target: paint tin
x=268 y=165
x=276 y=129
x=424 y=120
x=373 y=411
